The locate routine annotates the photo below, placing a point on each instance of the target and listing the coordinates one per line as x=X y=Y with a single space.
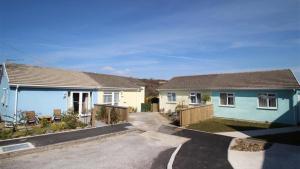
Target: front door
x=80 y=102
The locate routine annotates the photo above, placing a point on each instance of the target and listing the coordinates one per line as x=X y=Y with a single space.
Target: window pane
x=272 y=102
x=193 y=99
x=174 y=97
x=107 y=98
x=231 y=100
x=223 y=98
x=262 y=101
x=116 y=98
x=198 y=98
x=169 y=97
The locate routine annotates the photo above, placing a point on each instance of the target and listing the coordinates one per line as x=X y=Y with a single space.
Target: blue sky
x=152 y=39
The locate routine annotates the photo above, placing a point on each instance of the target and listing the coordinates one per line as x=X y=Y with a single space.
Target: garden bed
x=250 y=145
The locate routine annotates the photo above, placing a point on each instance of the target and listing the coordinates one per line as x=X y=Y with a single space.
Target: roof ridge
x=229 y=73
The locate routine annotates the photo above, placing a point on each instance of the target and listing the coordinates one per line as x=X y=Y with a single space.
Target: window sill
x=230 y=106
x=195 y=104
x=267 y=108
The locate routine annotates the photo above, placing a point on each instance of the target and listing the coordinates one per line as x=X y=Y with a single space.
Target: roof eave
x=47 y=86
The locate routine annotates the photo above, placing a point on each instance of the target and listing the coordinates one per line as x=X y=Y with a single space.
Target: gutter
x=231 y=89
x=44 y=86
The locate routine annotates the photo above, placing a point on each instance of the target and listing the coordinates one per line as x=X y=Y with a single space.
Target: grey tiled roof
x=274 y=79
x=20 y=74
x=115 y=81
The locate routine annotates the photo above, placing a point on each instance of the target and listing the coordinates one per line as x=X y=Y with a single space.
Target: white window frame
x=195 y=94
x=227 y=105
x=268 y=107
x=4 y=99
x=173 y=99
x=70 y=101
x=113 y=95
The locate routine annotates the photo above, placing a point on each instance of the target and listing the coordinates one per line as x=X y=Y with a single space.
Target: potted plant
x=206 y=98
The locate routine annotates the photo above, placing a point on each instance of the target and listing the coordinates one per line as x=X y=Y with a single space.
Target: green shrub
x=81 y=124
x=206 y=98
x=36 y=130
x=6 y=133
x=70 y=119
x=114 y=116
x=44 y=123
x=58 y=126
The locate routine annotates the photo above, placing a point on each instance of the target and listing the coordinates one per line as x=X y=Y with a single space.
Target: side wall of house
x=246 y=106
x=132 y=98
x=182 y=98
x=4 y=94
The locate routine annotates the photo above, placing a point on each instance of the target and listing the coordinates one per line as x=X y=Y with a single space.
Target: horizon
x=155 y=39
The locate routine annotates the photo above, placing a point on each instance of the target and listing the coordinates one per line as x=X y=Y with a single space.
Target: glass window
x=195 y=98
x=171 y=97
x=266 y=100
x=116 y=98
x=227 y=99
x=107 y=97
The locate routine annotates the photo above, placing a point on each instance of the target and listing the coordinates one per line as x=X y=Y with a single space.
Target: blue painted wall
x=246 y=106
x=42 y=101
x=4 y=85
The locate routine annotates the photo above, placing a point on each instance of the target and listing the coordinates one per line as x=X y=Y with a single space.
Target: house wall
x=4 y=95
x=42 y=101
x=182 y=97
x=132 y=98
x=246 y=103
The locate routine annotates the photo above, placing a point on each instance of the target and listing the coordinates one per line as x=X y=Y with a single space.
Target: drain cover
x=15 y=147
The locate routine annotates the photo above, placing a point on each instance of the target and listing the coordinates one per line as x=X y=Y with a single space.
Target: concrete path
x=279 y=156
x=127 y=151
x=44 y=140
x=253 y=133
x=147 y=121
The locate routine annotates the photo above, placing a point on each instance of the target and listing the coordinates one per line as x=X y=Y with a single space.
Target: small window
x=267 y=100
x=195 y=98
x=227 y=99
x=107 y=97
x=171 y=97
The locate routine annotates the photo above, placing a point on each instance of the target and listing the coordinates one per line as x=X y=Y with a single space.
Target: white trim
x=80 y=102
x=267 y=108
x=16 y=104
x=209 y=89
x=227 y=105
x=196 y=97
x=4 y=68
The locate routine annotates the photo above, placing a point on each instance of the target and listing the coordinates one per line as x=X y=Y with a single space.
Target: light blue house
x=265 y=96
x=40 y=89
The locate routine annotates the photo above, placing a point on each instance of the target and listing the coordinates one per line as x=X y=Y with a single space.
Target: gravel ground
x=127 y=151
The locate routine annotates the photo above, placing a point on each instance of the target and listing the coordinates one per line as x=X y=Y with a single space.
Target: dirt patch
x=250 y=145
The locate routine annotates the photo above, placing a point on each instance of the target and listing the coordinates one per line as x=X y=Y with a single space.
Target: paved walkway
x=44 y=140
x=279 y=156
x=253 y=133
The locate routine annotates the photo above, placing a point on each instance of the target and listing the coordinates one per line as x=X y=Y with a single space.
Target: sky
x=152 y=39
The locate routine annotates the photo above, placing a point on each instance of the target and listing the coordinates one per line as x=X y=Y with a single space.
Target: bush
x=44 y=123
x=6 y=133
x=206 y=98
x=101 y=114
x=70 y=119
x=36 y=130
x=81 y=124
x=145 y=107
x=58 y=126
x=114 y=116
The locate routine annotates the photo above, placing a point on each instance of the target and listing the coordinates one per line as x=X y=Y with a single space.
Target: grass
x=292 y=138
x=225 y=125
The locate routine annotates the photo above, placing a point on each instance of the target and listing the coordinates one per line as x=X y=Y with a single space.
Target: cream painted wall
x=132 y=98
x=182 y=97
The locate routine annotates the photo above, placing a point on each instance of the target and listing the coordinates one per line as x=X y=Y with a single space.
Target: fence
x=122 y=113
x=195 y=114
